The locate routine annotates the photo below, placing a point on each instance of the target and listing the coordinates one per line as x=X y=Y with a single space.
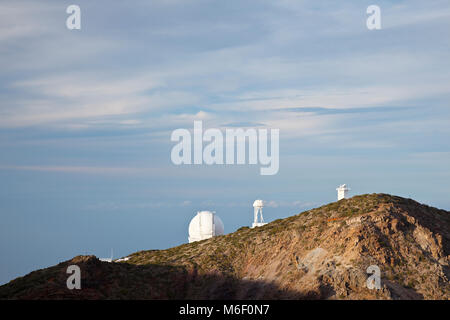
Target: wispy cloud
x=319 y=110
x=76 y=169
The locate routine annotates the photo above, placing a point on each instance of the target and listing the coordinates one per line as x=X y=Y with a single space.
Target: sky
x=86 y=115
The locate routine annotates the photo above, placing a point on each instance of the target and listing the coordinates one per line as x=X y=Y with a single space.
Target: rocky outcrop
x=323 y=253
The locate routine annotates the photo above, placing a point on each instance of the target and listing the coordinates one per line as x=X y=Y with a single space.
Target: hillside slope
x=319 y=254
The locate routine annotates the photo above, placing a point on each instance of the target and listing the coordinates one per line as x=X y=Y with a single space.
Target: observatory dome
x=205 y=225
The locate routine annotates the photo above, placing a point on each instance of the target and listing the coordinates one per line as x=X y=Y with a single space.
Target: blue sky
x=86 y=116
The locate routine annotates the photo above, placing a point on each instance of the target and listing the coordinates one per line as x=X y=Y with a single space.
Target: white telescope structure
x=342 y=191
x=258 y=220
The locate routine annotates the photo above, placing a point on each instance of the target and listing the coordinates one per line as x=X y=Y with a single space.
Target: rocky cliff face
x=323 y=253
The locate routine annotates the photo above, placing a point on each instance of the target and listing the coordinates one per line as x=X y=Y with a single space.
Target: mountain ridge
x=321 y=253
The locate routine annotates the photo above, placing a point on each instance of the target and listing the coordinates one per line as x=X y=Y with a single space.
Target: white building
x=108 y=259
x=205 y=225
x=258 y=219
x=123 y=259
x=342 y=191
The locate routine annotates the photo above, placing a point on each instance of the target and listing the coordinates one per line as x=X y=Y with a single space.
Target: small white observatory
x=205 y=225
x=258 y=219
x=342 y=191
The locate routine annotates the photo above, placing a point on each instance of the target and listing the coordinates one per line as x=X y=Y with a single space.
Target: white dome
x=258 y=203
x=205 y=225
